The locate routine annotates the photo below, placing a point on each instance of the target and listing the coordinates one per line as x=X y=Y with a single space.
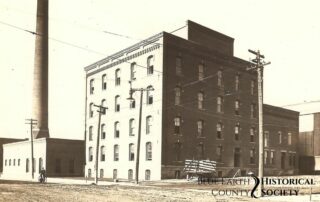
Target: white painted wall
x=22 y=151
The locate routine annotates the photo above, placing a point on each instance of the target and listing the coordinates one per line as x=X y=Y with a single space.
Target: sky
x=287 y=32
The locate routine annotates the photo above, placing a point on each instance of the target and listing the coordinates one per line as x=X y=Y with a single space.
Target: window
x=236 y=107
x=148 y=151
x=200 y=151
x=252 y=156
x=201 y=71
x=101 y=173
x=103 y=131
x=266 y=157
x=294 y=160
x=130 y=174
x=117 y=103
x=117 y=77
x=237 y=131
x=148 y=124
x=149 y=95
x=91 y=110
x=104 y=104
x=18 y=162
x=90 y=154
x=132 y=103
x=289 y=138
x=103 y=153
x=58 y=166
x=177 y=99
x=5 y=162
x=131 y=127
x=27 y=165
x=200 y=100
x=219 y=130
x=253 y=113
x=177 y=150
x=116 y=152
x=117 y=129
x=90 y=133
x=71 y=166
x=178 y=66
x=104 y=82
x=252 y=87
x=131 y=152
x=40 y=164
x=219 y=104
x=271 y=157
x=89 y=173
x=148 y=173
x=219 y=153
x=9 y=162
x=252 y=134
x=91 y=86
x=150 y=65
x=220 y=78
x=280 y=137
x=177 y=125
x=266 y=138
x=14 y=162
x=200 y=124
x=115 y=174
x=133 y=71
x=237 y=82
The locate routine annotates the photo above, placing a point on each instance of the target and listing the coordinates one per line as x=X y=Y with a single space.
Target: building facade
x=204 y=106
x=59 y=157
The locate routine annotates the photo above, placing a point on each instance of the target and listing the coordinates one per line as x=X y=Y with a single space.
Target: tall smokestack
x=40 y=75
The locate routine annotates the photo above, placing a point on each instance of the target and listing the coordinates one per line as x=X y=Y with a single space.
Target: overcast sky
x=286 y=32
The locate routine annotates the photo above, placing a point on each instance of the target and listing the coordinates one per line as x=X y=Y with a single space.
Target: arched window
x=219 y=104
x=103 y=131
x=18 y=162
x=117 y=103
x=103 y=153
x=132 y=71
x=90 y=157
x=9 y=162
x=200 y=100
x=91 y=110
x=148 y=124
x=201 y=71
x=131 y=152
x=219 y=130
x=131 y=127
x=40 y=164
x=148 y=175
x=91 y=86
x=150 y=65
x=177 y=125
x=101 y=173
x=103 y=104
x=14 y=162
x=130 y=174
x=177 y=99
x=27 y=165
x=116 y=152
x=5 y=162
x=148 y=151
x=117 y=77
x=117 y=129
x=149 y=95
x=90 y=133
x=104 y=82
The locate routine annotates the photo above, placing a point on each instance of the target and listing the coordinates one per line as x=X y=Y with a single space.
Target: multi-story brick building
x=204 y=106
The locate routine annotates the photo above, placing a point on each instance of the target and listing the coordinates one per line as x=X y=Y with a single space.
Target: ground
x=151 y=191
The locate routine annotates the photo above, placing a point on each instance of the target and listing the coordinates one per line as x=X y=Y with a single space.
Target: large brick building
x=204 y=106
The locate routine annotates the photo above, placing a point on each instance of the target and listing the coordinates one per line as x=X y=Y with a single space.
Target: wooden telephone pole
x=101 y=110
x=132 y=90
x=32 y=122
x=258 y=64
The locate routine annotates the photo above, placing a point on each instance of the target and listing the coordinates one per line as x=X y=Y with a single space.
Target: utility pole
x=101 y=110
x=258 y=64
x=132 y=90
x=32 y=122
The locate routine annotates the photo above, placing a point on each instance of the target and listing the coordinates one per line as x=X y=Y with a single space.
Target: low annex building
x=59 y=157
x=203 y=106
